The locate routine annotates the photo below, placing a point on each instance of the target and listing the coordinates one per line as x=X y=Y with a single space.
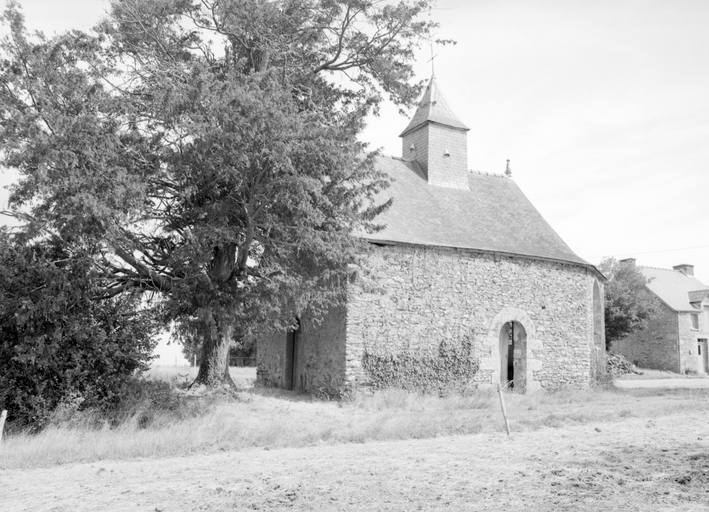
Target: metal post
x=504 y=411
x=2 y=423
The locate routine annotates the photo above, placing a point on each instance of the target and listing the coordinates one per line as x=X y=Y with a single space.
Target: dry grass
x=633 y=465
x=271 y=418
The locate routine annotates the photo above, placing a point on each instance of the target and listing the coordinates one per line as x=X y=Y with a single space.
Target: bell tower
x=437 y=141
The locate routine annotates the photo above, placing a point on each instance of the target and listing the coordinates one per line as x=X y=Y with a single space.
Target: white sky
x=601 y=105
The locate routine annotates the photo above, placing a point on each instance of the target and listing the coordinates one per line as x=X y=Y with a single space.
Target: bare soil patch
x=634 y=461
x=648 y=374
x=663 y=383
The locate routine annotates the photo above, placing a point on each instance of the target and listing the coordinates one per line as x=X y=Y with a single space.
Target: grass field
x=639 y=451
x=267 y=418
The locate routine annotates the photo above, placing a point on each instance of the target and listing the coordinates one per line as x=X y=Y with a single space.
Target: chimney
x=687 y=270
x=627 y=261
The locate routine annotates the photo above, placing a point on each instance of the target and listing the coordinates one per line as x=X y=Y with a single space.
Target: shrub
x=59 y=343
x=152 y=403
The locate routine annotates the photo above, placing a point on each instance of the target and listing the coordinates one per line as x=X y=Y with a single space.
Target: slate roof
x=493 y=216
x=698 y=296
x=674 y=288
x=433 y=108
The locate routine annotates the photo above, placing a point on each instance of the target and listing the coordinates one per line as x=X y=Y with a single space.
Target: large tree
x=209 y=148
x=629 y=304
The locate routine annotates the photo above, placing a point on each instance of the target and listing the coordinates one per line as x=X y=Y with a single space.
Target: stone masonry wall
x=425 y=295
x=271 y=359
x=654 y=347
x=319 y=354
x=688 y=340
x=597 y=317
x=687 y=344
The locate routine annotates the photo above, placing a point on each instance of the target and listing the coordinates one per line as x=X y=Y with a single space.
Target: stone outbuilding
x=675 y=338
x=467 y=284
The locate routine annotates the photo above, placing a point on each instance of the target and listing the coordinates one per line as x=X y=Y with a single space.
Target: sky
x=602 y=106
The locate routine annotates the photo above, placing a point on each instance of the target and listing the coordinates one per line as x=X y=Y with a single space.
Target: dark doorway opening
x=292 y=356
x=513 y=356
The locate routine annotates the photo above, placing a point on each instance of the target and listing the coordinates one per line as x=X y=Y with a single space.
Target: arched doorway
x=513 y=356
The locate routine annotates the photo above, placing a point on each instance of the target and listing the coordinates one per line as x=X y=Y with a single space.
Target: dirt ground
x=649 y=374
x=637 y=464
x=701 y=383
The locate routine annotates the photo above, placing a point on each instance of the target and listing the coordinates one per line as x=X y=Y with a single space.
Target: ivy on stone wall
x=452 y=367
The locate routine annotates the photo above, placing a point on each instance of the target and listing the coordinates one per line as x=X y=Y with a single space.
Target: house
x=467 y=282
x=675 y=338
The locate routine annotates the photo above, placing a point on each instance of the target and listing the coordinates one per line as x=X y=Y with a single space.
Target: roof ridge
x=470 y=171
x=393 y=157
x=485 y=173
x=659 y=268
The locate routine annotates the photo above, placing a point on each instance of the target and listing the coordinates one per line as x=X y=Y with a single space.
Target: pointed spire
x=434 y=109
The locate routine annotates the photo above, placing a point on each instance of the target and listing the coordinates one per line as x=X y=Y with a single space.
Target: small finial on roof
x=508 y=171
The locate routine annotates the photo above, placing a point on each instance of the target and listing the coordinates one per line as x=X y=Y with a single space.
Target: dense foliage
x=59 y=344
x=209 y=148
x=452 y=367
x=628 y=304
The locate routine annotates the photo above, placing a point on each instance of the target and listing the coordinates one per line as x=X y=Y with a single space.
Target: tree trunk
x=217 y=327
x=214 y=365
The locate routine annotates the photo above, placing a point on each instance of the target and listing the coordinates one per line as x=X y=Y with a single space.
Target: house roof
x=492 y=216
x=674 y=288
x=433 y=108
x=698 y=296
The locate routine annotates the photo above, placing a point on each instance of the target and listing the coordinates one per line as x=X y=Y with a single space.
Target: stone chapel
x=467 y=281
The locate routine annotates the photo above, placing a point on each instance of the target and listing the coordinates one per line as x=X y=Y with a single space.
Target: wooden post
x=504 y=411
x=2 y=423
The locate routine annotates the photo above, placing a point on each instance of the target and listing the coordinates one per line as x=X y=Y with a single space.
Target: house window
x=695 y=320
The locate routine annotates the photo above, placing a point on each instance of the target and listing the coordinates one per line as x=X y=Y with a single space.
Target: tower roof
x=433 y=108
